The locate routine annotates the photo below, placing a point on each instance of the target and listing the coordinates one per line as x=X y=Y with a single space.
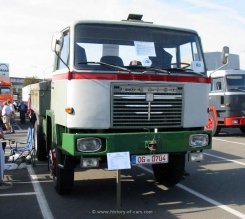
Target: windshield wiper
x=187 y=71
x=156 y=70
x=238 y=89
x=146 y=69
x=106 y=64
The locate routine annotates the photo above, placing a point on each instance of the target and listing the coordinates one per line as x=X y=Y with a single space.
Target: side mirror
x=57 y=42
x=225 y=54
x=224 y=59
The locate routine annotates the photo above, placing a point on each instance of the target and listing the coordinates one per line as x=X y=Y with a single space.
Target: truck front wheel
x=212 y=124
x=242 y=128
x=40 y=143
x=63 y=175
x=169 y=174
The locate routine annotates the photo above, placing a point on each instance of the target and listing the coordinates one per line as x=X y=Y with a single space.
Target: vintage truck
x=6 y=87
x=227 y=100
x=127 y=86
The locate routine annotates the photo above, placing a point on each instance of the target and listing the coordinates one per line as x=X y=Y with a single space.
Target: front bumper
x=135 y=143
x=234 y=121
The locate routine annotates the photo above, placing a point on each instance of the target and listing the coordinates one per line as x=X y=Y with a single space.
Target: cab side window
x=64 y=53
x=217 y=84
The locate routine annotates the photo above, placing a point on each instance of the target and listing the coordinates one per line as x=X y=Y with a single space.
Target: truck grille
x=146 y=106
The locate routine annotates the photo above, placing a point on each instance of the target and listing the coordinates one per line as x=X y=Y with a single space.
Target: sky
x=27 y=26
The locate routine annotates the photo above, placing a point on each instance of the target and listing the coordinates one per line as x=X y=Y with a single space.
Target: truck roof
x=5 y=83
x=222 y=73
x=132 y=23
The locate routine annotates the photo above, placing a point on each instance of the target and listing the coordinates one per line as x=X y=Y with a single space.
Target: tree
x=15 y=91
x=30 y=80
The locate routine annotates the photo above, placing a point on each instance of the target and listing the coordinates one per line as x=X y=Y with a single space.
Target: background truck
x=38 y=96
x=6 y=87
x=6 y=91
x=227 y=100
x=227 y=93
x=128 y=86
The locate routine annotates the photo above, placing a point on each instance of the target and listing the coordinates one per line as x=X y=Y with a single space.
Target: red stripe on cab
x=131 y=77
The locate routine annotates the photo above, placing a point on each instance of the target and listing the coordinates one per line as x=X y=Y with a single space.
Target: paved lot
x=213 y=189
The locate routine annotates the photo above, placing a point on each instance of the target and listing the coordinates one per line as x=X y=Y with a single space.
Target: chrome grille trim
x=132 y=109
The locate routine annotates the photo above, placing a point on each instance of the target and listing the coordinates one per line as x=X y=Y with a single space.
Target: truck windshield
x=235 y=82
x=4 y=90
x=135 y=47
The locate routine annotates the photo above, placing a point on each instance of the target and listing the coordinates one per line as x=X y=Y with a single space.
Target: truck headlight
x=89 y=144
x=198 y=140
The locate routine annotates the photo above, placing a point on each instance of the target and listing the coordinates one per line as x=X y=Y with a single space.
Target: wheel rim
x=33 y=157
x=210 y=125
x=52 y=162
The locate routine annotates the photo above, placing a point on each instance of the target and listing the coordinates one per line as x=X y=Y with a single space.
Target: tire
x=52 y=162
x=169 y=174
x=64 y=180
x=212 y=125
x=63 y=175
x=33 y=157
x=242 y=128
x=40 y=143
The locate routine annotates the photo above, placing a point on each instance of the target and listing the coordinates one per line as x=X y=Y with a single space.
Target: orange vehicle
x=6 y=91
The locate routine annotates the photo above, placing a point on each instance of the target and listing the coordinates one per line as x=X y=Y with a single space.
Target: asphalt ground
x=213 y=188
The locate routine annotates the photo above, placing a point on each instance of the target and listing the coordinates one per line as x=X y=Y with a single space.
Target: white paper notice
x=118 y=160
x=145 y=48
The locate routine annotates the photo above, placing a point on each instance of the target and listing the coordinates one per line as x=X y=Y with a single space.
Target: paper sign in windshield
x=118 y=160
x=145 y=48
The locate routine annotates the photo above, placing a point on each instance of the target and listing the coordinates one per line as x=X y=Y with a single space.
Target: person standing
x=6 y=113
x=12 y=116
x=23 y=110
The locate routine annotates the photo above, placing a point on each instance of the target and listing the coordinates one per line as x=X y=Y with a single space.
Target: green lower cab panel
x=136 y=143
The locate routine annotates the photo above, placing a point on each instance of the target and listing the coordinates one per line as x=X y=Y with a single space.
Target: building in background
x=17 y=83
x=17 y=87
x=213 y=61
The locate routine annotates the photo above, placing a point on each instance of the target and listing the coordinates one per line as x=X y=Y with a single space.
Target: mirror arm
x=222 y=66
x=62 y=61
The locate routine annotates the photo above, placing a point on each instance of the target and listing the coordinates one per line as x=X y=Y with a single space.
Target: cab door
x=217 y=95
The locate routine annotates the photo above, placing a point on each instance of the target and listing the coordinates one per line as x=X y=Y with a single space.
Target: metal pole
x=1 y=163
x=118 y=189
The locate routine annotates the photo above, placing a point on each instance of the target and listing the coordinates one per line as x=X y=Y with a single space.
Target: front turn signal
x=69 y=110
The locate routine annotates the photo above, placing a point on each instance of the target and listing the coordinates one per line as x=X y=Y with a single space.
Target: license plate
x=149 y=159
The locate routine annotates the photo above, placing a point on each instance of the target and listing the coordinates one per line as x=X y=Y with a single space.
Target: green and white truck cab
x=128 y=86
